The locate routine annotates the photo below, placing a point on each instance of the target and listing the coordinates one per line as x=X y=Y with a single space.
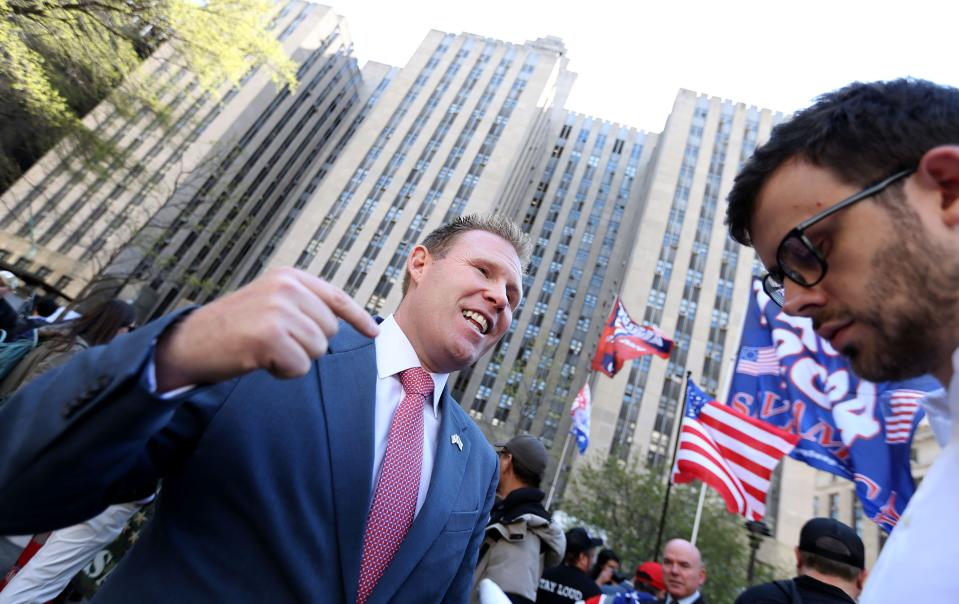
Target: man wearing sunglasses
x=853 y=207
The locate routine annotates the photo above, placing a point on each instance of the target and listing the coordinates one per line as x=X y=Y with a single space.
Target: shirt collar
x=394 y=353
x=688 y=599
x=942 y=408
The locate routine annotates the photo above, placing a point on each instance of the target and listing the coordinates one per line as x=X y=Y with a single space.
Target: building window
x=63 y=282
x=857 y=515
x=834 y=506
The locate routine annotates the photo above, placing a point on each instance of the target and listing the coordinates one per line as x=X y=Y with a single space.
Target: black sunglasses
x=798 y=258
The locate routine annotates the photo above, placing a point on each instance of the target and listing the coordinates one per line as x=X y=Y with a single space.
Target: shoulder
x=347 y=338
x=765 y=593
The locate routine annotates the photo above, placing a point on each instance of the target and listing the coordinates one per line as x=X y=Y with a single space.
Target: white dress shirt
x=918 y=562
x=394 y=353
x=687 y=600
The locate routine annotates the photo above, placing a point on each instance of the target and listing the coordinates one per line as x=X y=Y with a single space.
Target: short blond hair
x=440 y=240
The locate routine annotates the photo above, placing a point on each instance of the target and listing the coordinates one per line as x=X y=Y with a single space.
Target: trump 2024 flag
x=787 y=376
x=730 y=451
x=624 y=339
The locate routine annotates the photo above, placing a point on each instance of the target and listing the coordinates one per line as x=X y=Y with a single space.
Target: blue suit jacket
x=266 y=482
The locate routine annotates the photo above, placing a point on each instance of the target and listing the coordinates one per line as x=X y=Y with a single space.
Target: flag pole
x=699 y=512
x=562 y=456
x=669 y=477
x=559 y=467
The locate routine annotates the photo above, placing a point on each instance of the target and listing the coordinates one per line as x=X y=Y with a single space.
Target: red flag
x=624 y=339
x=730 y=451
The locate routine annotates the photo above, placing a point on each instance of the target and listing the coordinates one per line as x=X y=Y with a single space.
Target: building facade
x=684 y=275
x=68 y=223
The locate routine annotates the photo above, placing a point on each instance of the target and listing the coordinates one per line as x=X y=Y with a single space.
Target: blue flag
x=786 y=375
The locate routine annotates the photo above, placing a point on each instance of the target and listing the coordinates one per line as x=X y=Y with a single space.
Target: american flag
x=580 y=414
x=758 y=361
x=903 y=406
x=887 y=517
x=730 y=451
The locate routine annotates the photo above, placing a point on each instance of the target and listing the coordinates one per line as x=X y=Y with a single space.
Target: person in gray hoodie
x=521 y=538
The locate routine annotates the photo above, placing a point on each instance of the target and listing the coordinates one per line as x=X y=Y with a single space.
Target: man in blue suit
x=357 y=479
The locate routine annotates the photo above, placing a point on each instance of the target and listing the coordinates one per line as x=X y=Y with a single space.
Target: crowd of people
x=305 y=451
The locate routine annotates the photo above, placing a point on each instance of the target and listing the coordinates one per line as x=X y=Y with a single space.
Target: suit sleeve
x=90 y=433
x=459 y=590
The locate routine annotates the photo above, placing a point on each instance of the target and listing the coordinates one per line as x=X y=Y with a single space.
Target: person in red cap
x=647 y=586
x=648 y=580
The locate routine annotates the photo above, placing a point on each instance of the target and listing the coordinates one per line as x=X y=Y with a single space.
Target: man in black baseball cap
x=831 y=562
x=569 y=582
x=521 y=539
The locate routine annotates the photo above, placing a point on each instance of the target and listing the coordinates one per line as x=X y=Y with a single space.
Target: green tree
x=59 y=58
x=626 y=502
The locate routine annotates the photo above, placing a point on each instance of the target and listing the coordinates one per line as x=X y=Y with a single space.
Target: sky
x=632 y=56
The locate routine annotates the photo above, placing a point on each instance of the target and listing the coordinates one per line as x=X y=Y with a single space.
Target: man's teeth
x=478 y=318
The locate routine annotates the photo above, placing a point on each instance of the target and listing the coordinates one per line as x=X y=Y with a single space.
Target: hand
x=279 y=322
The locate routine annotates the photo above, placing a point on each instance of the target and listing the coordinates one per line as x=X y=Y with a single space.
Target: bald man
x=683 y=572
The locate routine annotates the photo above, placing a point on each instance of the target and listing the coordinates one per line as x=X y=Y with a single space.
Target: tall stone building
x=581 y=208
x=220 y=153
x=343 y=175
x=684 y=274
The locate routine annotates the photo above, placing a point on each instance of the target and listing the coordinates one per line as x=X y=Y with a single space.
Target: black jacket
x=527 y=500
x=809 y=590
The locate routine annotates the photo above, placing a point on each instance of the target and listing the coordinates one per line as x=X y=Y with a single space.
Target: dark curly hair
x=861 y=133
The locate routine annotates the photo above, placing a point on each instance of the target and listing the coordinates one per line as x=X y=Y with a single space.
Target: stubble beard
x=915 y=290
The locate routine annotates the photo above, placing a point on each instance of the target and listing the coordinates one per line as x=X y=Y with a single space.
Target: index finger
x=341 y=304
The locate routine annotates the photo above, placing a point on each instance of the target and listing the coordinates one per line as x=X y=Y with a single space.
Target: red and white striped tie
x=394 y=501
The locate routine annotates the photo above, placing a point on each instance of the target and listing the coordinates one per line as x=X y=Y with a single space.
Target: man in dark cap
x=831 y=563
x=569 y=582
x=520 y=538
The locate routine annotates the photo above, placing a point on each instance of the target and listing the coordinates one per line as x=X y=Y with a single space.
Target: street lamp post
x=757 y=530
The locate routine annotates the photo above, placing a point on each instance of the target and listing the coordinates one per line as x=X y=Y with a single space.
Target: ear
x=417 y=262
x=798 y=561
x=939 y=168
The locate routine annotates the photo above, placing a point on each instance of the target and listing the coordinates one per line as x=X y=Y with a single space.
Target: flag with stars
x=624 y=339
x=859 y=430
x=730 y=451
x=579 y=428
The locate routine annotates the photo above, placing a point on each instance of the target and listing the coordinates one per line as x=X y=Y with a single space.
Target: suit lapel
x=348 y=390
x=448 y=470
